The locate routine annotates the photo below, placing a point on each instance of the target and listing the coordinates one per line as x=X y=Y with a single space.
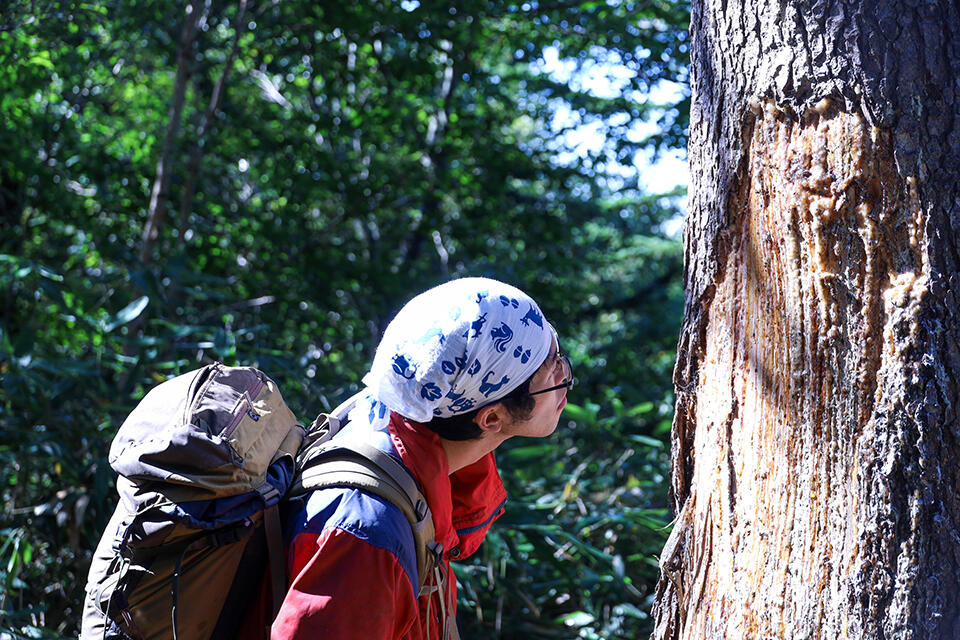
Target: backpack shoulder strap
x=361 y=466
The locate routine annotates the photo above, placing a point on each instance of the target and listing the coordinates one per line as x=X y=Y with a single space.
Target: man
x=462 y=368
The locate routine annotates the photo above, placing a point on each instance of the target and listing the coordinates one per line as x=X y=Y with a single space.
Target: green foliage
x=357 y=154
x=574 y=553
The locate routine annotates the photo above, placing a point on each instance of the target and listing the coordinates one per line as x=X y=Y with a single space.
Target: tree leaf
x=646 y=440
x=578 y=413
x=127 y=314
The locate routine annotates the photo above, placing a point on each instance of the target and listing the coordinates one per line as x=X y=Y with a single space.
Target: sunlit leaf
x=127 y=314
x=646 y=441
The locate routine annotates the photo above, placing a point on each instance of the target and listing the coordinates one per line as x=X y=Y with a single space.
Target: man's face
x=546 y=412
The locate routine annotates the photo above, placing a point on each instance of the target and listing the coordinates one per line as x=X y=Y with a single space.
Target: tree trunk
x=157 y=213
x=816 y=441
x=203 y=128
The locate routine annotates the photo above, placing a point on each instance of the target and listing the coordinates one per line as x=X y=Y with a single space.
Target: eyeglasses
x=568 y=380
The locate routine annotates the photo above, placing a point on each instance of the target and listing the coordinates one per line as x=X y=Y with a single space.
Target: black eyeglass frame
x=567 y=382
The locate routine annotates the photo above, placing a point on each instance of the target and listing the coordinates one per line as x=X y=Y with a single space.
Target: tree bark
x=816 y=440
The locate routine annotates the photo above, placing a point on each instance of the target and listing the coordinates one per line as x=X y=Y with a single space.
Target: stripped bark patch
x=826 y=269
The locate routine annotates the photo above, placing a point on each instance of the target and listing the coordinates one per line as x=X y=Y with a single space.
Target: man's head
x=531 y=409
x=464 y=357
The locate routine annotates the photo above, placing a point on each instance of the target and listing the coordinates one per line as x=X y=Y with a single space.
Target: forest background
x=263 y=182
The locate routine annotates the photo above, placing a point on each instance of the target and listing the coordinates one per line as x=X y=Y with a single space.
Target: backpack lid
x=206 y=434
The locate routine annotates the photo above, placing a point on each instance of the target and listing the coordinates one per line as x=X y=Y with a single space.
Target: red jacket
x=351 y=574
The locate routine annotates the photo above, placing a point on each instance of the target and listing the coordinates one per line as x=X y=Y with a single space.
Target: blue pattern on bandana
x=457 y=347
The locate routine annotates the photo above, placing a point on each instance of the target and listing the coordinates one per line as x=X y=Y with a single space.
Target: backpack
x=204 y=460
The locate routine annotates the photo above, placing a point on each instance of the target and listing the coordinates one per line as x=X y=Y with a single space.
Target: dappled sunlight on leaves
x=357 y=155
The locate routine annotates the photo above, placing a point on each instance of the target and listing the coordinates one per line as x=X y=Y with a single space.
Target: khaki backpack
x=204 y=461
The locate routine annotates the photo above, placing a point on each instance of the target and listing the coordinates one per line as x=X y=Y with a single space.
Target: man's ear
x=491 y=418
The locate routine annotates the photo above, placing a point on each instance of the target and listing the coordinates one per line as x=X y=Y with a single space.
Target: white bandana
x=457 y=347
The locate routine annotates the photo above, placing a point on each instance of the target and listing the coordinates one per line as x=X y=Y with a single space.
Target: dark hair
x=519 y=403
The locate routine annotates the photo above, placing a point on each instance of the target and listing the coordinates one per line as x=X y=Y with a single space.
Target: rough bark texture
x=816 y=447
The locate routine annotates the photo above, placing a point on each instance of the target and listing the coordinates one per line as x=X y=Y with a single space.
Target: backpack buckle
x=421 y=509
x=436 y=552
x=269 y=494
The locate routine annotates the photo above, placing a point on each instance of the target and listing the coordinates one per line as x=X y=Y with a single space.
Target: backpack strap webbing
x=358 y=465
x=277 y=554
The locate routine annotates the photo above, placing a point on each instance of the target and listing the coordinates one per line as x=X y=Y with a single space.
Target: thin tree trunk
x=157 y=212
x=816 y=434
x=193 y=167
x=435 y=162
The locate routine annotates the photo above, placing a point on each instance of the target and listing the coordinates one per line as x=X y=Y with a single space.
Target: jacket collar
x=464 y=504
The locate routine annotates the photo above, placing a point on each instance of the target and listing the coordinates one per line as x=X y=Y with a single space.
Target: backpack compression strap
x=276 y=551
